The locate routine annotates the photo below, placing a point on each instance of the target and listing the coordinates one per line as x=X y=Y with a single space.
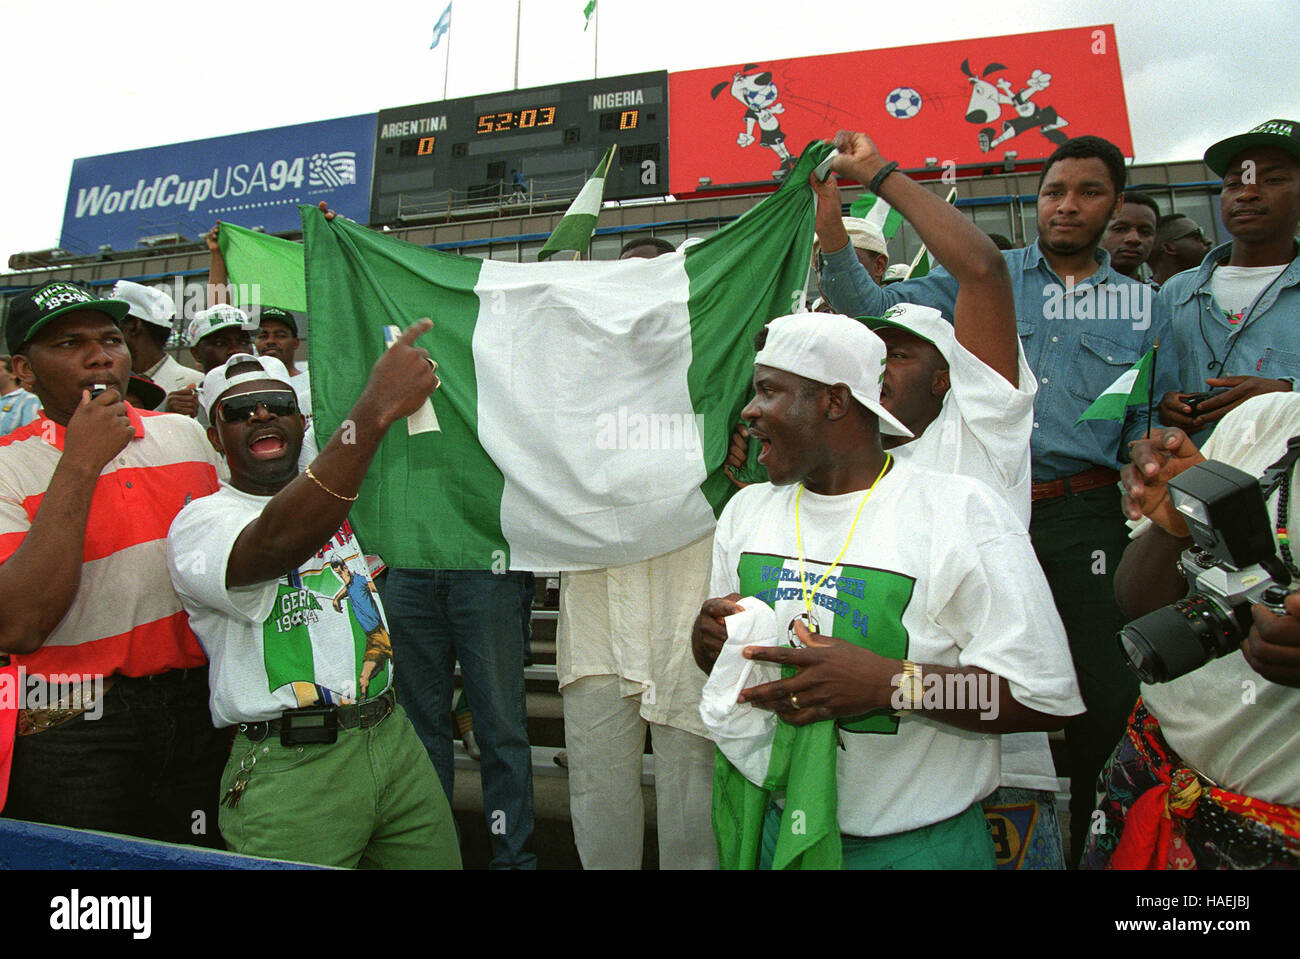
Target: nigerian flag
x=585 y=406
x=877 y=212
x=579 y=221
x=1133 y=388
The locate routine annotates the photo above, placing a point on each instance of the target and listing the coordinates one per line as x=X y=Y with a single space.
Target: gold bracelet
x=347 y=499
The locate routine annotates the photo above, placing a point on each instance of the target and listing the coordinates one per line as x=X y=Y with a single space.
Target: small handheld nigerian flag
x=877 y=212
x=587 y=11
x=1133 y=388
x=579 y=222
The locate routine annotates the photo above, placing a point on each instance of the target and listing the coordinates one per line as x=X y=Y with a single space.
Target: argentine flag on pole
x=1133 y=388
x=441 y=27
x=579 y=222
x=586 y=406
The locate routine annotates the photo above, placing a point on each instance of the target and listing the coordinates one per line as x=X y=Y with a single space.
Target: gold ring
x=432 y=365
x=794 y=700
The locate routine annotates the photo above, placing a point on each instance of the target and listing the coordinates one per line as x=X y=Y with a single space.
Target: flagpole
x=446 y=69
x=1151 y=383
x=595 y=46
x=518 y=19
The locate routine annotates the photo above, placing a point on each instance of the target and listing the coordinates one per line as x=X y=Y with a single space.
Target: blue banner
x=252 y=179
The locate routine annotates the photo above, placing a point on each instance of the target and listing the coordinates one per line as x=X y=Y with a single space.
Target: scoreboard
x=545 y=140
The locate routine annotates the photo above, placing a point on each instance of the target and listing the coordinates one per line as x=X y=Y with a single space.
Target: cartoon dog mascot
x=759 y=95
x=987 y=100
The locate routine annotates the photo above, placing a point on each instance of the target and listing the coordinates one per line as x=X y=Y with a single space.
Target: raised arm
x=984 y=314
x=218 y=279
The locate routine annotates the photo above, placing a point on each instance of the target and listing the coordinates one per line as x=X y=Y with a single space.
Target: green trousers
x=1079 y=540
x=371 y=800
x=962 y=842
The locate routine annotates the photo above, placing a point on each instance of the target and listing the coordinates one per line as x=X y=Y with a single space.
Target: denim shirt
x=1266 y=342
x=1077 y=344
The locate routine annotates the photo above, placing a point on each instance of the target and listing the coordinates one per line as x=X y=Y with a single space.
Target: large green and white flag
x=585 y=406
x=877 y=212
x=575 y=228
x=1133 y=388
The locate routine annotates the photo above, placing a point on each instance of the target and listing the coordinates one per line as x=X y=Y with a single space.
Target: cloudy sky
x=81 y=79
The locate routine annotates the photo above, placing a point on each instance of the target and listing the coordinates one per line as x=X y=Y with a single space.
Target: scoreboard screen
x=540 y=143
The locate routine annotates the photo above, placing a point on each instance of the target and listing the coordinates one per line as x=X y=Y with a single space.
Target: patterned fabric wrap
x=1156 y=813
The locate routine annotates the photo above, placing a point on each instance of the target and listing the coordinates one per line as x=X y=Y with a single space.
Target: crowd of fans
x=858 y=669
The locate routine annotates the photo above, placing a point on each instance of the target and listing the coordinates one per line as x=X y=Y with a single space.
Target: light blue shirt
x=17 y=409
x=1077 y=344
x=1265 y=342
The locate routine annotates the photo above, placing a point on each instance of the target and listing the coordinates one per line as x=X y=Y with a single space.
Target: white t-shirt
x=1225 y=719
x=1234 y=288
x=280 y=644
x=939 y=571
x=983 y=431
x=984 y=428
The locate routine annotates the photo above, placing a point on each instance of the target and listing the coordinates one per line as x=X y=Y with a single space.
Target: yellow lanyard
x=798 y=535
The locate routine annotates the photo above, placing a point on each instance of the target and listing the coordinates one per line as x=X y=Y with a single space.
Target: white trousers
x=604 y=736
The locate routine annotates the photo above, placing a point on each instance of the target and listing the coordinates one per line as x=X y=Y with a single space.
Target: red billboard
x=964 y=102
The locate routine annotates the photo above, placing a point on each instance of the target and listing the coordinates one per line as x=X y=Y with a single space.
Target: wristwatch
x=909 y=686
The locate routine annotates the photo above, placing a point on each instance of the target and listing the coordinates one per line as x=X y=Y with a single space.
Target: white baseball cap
x=215 y=318
x=830 y=348
x=923 y=321
x=219 y=379
x=865 y=235
x=148 y=304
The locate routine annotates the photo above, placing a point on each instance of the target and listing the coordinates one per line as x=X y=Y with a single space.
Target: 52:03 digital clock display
x=525 y=119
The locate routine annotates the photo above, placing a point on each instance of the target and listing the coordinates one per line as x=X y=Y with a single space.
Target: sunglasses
x=239 y=408
x=1198 y=233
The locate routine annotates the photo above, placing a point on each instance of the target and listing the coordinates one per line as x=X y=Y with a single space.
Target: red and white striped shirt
x=125 y=617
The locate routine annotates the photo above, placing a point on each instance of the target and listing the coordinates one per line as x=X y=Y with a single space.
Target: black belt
x=352 y=716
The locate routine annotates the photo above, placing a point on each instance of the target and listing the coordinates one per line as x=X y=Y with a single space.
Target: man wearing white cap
x=868 y=241
x=146 y=328
x=214 y=336
x=893 y=576
x=327 y=767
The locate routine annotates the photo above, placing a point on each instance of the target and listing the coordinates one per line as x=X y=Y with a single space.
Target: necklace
x=798 y=535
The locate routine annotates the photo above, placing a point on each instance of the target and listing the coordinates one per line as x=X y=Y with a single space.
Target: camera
x=1194 y=400
x=1232 y=566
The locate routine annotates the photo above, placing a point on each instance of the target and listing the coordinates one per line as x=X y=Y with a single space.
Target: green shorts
x=370 y=800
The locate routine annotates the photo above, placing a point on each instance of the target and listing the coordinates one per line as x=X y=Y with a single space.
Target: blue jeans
x=439 y=616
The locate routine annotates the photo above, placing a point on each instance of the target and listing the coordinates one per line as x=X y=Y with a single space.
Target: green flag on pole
x=876 y=211
x=587 y=11
x=263 y=269
x=579 y=222
x=585 y=408
x=1133 y=388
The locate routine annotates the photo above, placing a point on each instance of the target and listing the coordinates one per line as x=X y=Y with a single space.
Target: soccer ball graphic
x=903 y=103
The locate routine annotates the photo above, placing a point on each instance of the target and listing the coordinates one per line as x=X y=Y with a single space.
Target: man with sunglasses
x=1180 y=245
x=1234 y=318
x=326 y=767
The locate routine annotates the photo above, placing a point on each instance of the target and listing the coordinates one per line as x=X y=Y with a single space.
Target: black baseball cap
x=282 y=316
x=31 y=311
x=148 y=392
x=1283 y=134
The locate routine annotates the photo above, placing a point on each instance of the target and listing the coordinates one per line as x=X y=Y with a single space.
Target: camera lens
x=1174 y=640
